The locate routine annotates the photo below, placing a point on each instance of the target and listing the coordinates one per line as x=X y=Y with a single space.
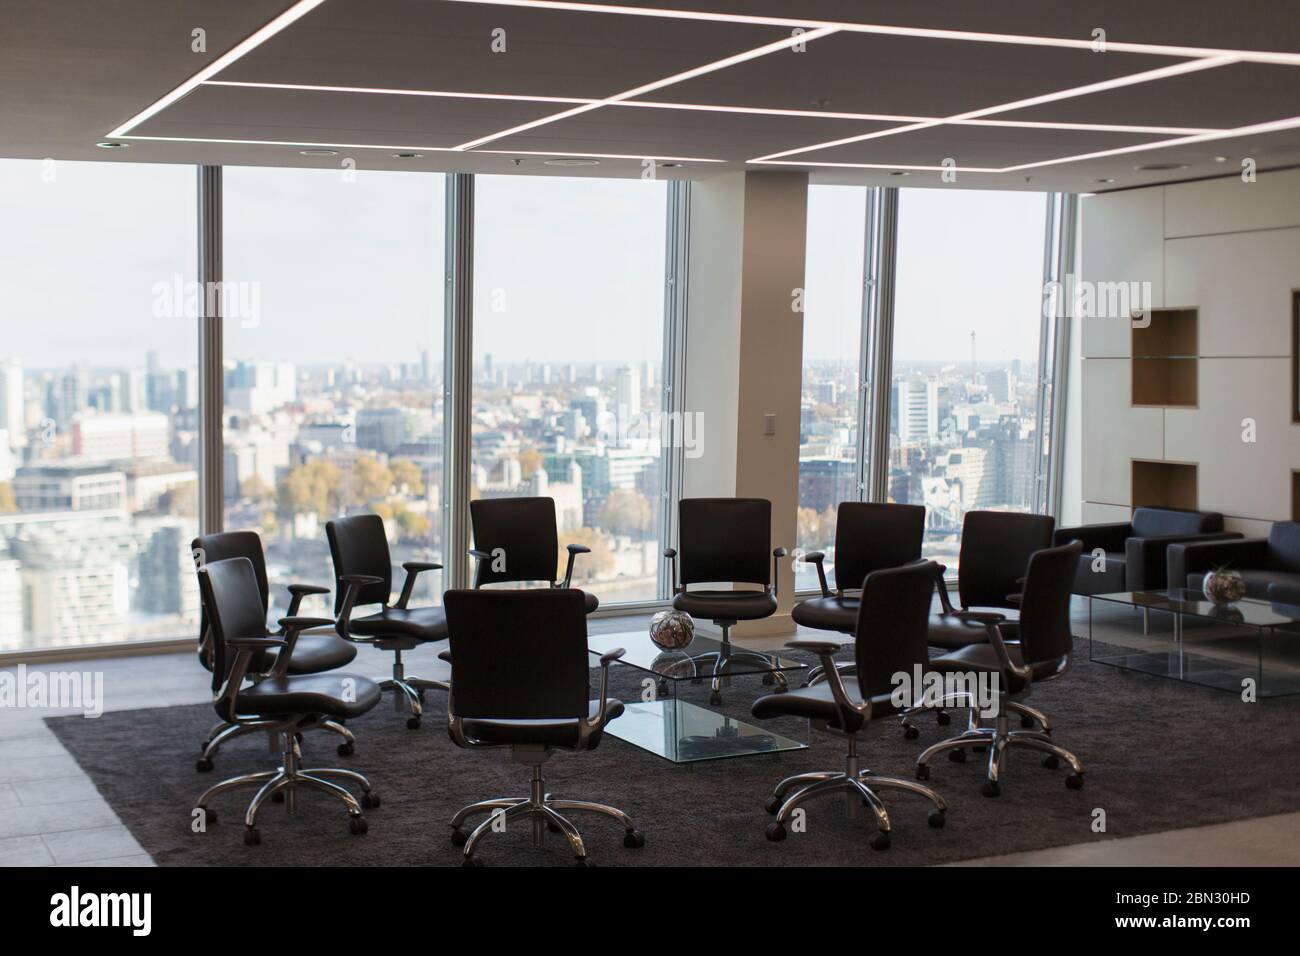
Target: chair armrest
x=942 y=587
x=291 y=627
x=831 y=673
x=295 y=623
x=1024 y=671
x=354 y=584
x=813 y=646
x=1145 y=559
x=671 y=555
x=258 y=643
x=777 y=555
x=1108 y=537
x=1194 y=557
x=574 y=550
x=587 y=727
x=818 y=558
x=445 y=655
x=299 y=591
x=981 y=617
x=413 y=570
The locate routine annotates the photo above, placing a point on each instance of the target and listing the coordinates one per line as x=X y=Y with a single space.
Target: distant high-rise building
x=110 y=437
x=917 y=404
x=1001 y=385
x=12 y=410
x=628 y=392
x=73 y=396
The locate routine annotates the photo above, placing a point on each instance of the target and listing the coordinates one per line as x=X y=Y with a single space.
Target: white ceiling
x=1009 y=93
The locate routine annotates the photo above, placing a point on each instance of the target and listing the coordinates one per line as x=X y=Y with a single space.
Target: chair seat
x=818 y=703
x=984 y=657
x=310 y=694
x=828 y=613
x=950 y=630
x=726 y=605
x=418 y=624
x=549 y=733
x=315 y=653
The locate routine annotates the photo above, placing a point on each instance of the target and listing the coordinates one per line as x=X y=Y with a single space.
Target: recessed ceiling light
x=1105 y=180
x=900 y=172
x=1220 y=159
x=1160 y=167
x=113 y=145
x=670 y=165
x=571 y=162
x=408 y=155
x=318 y=152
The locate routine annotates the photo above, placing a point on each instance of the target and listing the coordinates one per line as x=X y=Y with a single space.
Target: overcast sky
x=566 y=270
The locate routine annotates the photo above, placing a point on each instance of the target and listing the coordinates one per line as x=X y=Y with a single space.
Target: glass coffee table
x=657 y=718
x=1181 y=635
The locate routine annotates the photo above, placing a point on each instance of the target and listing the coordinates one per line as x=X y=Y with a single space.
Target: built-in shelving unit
x=1165 y=360
x=1164 y=484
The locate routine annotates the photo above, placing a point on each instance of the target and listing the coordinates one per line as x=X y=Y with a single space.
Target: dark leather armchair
x=1036 y=647
x=363 y=569
x=889 y=638
x=726 y=540
x=281 y=703
x=520 y=679
x=995 y=551
x=1136 y=550
x=1261 y=562
x=312 y=653
x=516 y=540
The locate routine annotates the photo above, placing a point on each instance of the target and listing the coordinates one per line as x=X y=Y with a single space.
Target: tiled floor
x=51 y=814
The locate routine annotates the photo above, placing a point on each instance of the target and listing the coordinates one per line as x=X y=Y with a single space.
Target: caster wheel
x=471 y=861
x=991 y=788
x=944 y=718
x=773 y=805
x=251 y=836
x=880 y=841
x=775 y=832
x=1051 y=761
x=357 y=825
x=203 y=764
x=347 y=749
x=582 y=861
x=633 y=839
x=957 y=756
x=458 y=838
x=923 y=771
x=1026 y=722
x=412 y=723
x=937 y=819
x=715 y=698
x=768 y=680
x=208 y=816
x=277 y=797
x=911 y=733
x=1074 y=781
x=370 y=800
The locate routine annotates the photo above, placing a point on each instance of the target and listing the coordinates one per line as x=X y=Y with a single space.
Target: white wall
x=1230 y=249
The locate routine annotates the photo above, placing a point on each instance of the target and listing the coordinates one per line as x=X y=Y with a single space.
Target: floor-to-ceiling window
x=967 y=308
x=832 y=344
x=98 y=403
x=568 y=352
x=333 y=362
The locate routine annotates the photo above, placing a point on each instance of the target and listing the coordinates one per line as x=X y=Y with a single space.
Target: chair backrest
x=995 y=548
x=518 y=655
x=1158 y=522
x=724 y=539
x=1284 y=544
x=232 y=601
x=893 y=623
x=872 y=536
x=222 y=547
x=524 y=529
x=359 y=545
x=1045 y=608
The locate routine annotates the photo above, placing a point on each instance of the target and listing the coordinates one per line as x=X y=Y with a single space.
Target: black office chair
x=364 y=571
x=519 y=666
x=515 y=540
x=869 y=536
x=726 y=540
x=312 y=653
x=1037 y=647
x=889 y=639
x=282 y=704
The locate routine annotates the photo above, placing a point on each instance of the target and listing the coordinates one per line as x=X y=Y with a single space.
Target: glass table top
x=684 y=732
x=1248 y=611
x=691 y=662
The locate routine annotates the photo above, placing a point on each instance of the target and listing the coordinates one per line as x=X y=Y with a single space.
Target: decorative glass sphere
x=1224 y=587
x=672 y=630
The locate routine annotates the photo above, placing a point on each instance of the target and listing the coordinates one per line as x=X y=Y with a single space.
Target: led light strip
x=252 y=41
x=716 y=65
x=385 y=91
x=1154 y=49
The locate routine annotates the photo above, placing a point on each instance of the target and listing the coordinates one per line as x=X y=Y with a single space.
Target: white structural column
x=744 y=350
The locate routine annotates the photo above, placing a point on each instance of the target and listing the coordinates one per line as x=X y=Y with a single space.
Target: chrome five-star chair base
x=998 y=739
x=718 y=661
x=408 y=691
